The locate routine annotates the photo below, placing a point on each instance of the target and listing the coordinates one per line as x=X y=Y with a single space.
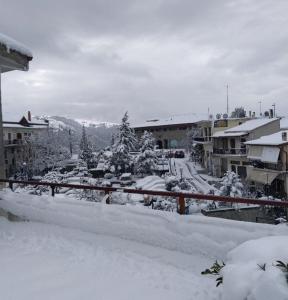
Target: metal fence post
x=181 y=205
x=107 y=197
x=53 y=190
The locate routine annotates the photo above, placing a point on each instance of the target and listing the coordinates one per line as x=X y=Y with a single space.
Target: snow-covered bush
x=232 y=185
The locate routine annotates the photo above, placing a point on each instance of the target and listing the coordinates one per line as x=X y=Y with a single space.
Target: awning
x=263 y=176
x=270 y=154
x=264 y=153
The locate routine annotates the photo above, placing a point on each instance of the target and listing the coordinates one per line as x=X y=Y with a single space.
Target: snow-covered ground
x=73 y=249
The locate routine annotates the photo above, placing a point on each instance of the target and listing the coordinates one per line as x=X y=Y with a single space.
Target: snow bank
x=11 y=44
x=80 y=249
x=243 y=277
x=154 y=183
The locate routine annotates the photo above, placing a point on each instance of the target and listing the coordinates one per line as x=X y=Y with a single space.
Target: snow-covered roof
x=173 y=120
x=11 y=44
x=12 y=125
x=224 y=134
x=251 y=125
x=274 y=139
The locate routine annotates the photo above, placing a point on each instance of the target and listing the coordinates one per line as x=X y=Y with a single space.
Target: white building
x=229 y=146
x=15 y=136
x=268 y=158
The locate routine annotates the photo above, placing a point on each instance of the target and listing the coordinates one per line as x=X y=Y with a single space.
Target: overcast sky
x=95 y=59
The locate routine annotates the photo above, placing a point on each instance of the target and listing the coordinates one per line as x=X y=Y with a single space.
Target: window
x=235 y=162
x=233 y=168
x=242 y=171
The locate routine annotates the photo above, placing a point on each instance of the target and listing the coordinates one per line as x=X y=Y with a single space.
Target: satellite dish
x=218 y=116
x=225 y=116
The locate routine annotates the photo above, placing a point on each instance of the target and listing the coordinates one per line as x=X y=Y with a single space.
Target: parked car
x=179 y=154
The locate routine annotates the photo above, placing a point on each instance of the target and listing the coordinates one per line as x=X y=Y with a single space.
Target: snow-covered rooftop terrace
x=73 y=249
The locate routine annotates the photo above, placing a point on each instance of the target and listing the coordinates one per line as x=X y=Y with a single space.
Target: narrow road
x=186 y=169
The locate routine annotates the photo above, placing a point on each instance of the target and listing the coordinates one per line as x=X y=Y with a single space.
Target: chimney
x=284 y=136
x=271 y=113
x=29 y=116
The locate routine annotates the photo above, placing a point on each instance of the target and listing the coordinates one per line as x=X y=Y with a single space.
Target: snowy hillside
x=99 y=133
x=75 y=249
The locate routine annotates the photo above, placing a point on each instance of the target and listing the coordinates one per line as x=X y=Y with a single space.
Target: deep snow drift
x=76 y=249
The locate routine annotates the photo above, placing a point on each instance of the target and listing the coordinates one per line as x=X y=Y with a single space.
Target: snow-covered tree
x=85 y=148
x=126 y=141
x=147 y=159
x=43 y=151
x=232 y=185
x=239 y=112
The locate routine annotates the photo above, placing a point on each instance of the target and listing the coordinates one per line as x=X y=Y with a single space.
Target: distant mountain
x=99 y=134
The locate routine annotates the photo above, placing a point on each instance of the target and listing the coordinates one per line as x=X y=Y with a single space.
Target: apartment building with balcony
x=15 y=137
x=229 y=146
x=268 y=157
x=220 y=124
x=176 y=131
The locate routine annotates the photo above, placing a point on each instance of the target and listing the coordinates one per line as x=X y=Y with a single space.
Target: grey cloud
x=96 y=59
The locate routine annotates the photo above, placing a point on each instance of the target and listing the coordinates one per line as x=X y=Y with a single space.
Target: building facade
x=176 y=132
x=16 y=136
x=229 y=146
x=268 y=157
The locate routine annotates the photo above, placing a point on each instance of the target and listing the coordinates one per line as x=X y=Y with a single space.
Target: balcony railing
x=13 y=142
x=231 y=151
x=268 y=166
x=202 y=139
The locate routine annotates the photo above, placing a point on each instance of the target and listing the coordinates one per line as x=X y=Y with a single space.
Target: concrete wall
x=247 y=214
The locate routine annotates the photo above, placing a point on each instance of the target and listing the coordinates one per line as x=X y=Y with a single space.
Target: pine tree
x=85 y=148
x=125 y=142
x=147 y=160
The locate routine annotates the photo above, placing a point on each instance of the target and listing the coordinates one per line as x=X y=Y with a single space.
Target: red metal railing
x=179 y=196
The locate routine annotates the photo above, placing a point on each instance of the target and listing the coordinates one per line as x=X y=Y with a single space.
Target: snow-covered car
x=126 y=179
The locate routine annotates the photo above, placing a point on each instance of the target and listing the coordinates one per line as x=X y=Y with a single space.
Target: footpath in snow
x=73 y=249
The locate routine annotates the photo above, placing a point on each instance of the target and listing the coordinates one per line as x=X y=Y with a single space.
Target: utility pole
x=2 y=160
x=227 y=94
x=260 y=103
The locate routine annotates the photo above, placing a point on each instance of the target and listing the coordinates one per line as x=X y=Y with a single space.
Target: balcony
x=231 y=151
x=202 y=139
x=268 y=166
x=15 y=142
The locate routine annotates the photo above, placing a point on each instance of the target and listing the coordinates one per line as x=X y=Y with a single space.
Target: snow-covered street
x=77 y=249
x=186 y=169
